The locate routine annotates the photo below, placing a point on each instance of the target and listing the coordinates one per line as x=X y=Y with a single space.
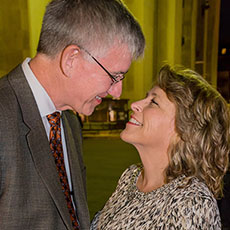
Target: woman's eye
x=154 y=102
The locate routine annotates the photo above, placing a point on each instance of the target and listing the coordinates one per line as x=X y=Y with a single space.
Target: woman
x=181 y=132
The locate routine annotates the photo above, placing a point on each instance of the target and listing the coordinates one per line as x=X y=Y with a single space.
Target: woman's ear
x=68 y=57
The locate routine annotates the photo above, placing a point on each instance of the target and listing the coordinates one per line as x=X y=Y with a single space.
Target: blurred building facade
x=20 y=24
x=177 y=32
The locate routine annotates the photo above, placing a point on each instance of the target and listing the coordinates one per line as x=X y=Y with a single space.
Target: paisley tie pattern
x=57 y=151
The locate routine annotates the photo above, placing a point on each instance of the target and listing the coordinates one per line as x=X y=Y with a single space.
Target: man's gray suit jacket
x=30 y=191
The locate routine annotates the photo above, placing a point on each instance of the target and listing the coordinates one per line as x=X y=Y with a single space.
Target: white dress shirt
x=45 y=107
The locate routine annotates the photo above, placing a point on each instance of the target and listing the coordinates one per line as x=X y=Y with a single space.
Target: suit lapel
x=38 y=142
x=73 y=143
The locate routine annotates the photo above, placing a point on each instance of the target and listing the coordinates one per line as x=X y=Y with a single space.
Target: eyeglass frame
x=113 y=77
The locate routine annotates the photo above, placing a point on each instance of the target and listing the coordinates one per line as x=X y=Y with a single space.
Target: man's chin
x=88 y=112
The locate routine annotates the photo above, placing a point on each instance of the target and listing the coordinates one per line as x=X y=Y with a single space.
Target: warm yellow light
x=223 y=51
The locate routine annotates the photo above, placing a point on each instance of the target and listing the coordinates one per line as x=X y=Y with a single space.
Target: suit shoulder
x=8 y=99
x=73 y=118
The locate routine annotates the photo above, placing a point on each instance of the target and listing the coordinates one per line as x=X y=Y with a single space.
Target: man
x=85 y=48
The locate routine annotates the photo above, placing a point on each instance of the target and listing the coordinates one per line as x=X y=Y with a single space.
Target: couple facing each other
x=84 y=50
x=181 y=132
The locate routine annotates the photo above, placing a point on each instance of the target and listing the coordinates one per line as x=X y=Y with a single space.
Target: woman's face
x=152 y=122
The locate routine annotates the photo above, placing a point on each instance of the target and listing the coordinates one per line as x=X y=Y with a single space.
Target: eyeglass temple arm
x=114 y=79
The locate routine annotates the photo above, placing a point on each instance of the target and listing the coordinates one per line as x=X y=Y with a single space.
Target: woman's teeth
x=132 y=120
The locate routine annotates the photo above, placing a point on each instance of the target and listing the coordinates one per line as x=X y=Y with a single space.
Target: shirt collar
x=44 y=102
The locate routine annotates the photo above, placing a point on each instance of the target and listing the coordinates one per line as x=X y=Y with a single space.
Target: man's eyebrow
x=120 y=72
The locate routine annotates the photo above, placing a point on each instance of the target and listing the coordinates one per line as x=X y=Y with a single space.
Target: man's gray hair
x=91 y=24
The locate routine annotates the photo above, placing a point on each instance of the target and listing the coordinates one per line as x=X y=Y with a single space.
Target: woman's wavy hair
x=201 y=148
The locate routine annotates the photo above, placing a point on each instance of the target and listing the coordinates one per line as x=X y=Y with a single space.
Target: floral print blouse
x=170 y=207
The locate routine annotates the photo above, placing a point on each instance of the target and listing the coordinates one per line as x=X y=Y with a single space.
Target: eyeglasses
x=115 y=78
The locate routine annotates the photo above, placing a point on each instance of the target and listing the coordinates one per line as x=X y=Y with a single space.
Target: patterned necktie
x=57 y=151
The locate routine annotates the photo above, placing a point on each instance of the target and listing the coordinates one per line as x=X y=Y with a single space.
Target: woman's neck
x=152 y=176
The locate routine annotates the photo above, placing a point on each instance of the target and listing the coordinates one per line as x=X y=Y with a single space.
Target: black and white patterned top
x=171 y=207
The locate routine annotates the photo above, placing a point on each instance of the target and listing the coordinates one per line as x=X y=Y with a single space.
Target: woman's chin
x=124 y=136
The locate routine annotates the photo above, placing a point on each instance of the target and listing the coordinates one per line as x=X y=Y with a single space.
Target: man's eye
x=119 y=77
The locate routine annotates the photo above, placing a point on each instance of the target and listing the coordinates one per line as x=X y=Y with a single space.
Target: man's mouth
x=98 y=98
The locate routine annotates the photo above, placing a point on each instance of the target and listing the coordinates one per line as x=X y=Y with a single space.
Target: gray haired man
x=84 y=51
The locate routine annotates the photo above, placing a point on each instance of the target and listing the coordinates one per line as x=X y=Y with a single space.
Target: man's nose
x=116 y=89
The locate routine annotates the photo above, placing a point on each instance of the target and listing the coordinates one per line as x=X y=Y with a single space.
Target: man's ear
x=68 y=56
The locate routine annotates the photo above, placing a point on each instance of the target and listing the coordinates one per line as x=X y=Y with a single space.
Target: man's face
x=89 y=82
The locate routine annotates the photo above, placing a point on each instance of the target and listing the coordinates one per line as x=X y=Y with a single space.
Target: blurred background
x=193 y=33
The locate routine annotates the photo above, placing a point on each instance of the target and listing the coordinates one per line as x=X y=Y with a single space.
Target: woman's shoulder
x=189 y=205
x=197 y=189
x=132 y=170
x=195 y=193
x=129 y=174
x=193 y=204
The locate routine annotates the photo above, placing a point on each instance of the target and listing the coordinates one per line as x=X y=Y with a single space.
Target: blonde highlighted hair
x=202 y=125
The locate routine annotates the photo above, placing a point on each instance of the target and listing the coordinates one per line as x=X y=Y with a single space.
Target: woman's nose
x=137 y=106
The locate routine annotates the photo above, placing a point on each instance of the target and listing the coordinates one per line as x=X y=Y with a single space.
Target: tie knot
x=54 y=118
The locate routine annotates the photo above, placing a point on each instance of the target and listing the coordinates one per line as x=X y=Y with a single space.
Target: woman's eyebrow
x=151 y=94
x=154 y=94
